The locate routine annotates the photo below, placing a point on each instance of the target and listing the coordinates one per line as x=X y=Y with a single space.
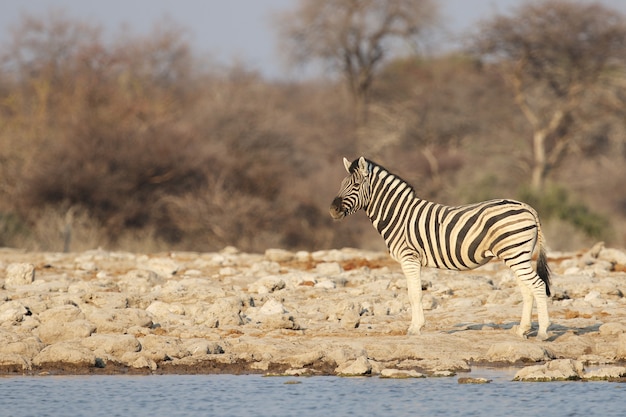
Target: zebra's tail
x=543 y=270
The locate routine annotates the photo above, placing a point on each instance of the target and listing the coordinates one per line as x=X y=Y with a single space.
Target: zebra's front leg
x=411 y=268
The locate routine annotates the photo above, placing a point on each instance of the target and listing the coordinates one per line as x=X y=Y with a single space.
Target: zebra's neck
x=389 y=196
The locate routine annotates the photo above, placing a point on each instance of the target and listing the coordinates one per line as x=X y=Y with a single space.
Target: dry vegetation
x=141 y=145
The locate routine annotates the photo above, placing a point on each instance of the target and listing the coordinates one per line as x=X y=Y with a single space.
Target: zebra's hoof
x=414 y=331
x=521 y=331
x=543 y=336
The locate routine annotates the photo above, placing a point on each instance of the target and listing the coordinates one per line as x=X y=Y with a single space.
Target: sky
x=226 y=31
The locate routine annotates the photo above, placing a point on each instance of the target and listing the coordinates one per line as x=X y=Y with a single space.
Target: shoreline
x=335 y=312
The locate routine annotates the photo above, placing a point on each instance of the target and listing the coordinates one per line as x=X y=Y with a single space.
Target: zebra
x=420 y=233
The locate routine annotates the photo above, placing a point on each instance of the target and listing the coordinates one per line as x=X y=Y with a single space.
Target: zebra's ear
x=347 y=164
x=363 y=167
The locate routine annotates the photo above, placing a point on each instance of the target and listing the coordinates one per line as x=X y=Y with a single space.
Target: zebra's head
x=354 y=193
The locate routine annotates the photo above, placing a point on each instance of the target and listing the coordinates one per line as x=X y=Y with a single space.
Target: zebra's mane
x=381 y=168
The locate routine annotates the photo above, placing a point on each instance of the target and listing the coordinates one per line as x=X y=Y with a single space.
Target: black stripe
x=511 y=233
x=513 y=246
x=488 y=224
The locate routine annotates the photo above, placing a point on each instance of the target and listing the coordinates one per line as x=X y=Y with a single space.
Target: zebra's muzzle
x=336 y=211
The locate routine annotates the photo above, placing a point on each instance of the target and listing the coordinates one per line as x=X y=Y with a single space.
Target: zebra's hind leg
x=542 y=312
x=527 y=310
x=412 y=268
x=533 y=290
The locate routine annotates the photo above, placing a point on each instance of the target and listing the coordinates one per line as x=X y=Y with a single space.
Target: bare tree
x=554 y=55
x=353 y=37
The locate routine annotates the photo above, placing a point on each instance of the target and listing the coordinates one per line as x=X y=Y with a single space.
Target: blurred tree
x=353 y=37
x=554 y=55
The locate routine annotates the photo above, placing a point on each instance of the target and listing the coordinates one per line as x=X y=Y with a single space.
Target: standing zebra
x=422 y=233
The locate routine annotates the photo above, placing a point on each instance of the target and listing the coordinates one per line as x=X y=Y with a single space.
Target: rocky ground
x=341 y=312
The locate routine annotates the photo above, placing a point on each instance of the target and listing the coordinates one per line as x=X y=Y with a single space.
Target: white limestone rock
x=401 y=373
x=605 y=373
x=13 y=312
x=518 y=351
x=267 y=284
x=62 y=314
x=113 y=345
x=139 y=281
x=608 y=329
x=25 y=346
x=279 y=255
x=556 y=370
x=53 y=331
x=328 y=269
x=118 y=320
x=621 y=346
x=358 y=367
x=68 y=352
x=19 y=274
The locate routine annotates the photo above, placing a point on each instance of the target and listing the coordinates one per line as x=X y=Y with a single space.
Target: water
x=254 y=395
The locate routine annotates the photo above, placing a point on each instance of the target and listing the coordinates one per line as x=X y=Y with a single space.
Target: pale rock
x=62 y=314
x=278 y=321
x=469 y=380
x=160 y=348
x=443 y=366
x=201 y=347
x=344 y=354
x=228 y=271
x=114 y=345
x=139 y=281
x=272 y=306
x=300 y=372
x=608 y=329
x=614 y=256
x=165 y=311
x=303 y=256
x=138 y=361
x=429 y=302
x=69 y=352
x=349 y=315
x=227 y=311
x=189 y=288
x=264 y=268
x=593 y=295
x=621 y=346
x=87 y=266
x=28 y=347
x=302 y=360
x=326 y=284
x=15 y=360
x=518 y=351
x=556 y=370
x=19 y=274
x=358 y=367
x=463 y=303
x=53 y=331
x=574 y=270
x=13 y=312
x=401 y=373
x=118 y=320
x=328 y=268
x=164 y=267
x=267 y=284
x=278 y=255
x=611 y=372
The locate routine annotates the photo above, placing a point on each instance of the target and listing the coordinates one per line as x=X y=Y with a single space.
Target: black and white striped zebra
x=422 y=233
